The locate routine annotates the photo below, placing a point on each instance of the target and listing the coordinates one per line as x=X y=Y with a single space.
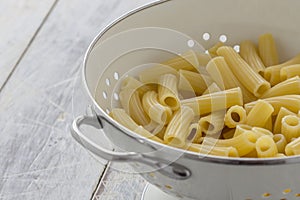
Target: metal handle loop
x=172 y=170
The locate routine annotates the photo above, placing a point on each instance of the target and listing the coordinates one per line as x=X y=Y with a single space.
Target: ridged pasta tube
x=131 y=102
x=290 y=102
x=266 y=147
x=157 y=112
x=249 y=53
x=244 y=73
x=196 y=133
x=272 y=73
x=262 y=131
x=133 y=84
x=152 y=75
x=186 y=61
x=282 y=113
x=215 y=101
x=151 y=126
x=269 y=124
x=213 y=50
x=280 y=155
x=244 y=143
x=289 y=72
x=213 y=150
x=203 y=59
x=287 y=87
x=211 y=89
x=196 y=82
x=290 y=127
x=123 y=118
x=224 y=77
x=241 y=128
x=213 y=123
x=177 y=130
x=252 y=154
x=159 y=131
x=293 y=148
x=260 y=113
x=168 y=91
x=228 y=133
x=280 y=142
x=235 y=115
x=143 y=132
x=267 y=50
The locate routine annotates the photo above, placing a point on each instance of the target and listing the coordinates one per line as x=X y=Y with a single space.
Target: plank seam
x=102 y=176
x=28 y=45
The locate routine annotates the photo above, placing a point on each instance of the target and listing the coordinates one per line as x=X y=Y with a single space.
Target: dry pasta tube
x=235 y=115
x=211 y=89
x=280 y=142
x=262 y=131
x=123 y=118
x=249 y=53
x=212 y=124
x=157 y=112
x=228 y=133
x=221 y=73
x=152 y=125
x=241 y=128
x=282 y=113
x=269 y=124
x=152 y=74
x=168 y=92
x=289 y=72
x=267 y=50
x=177 y=130
x=290 y=127
x=280 y=155
x=260 y=114
x=143 y=132
x=244 y=73
x=195 y=133
x=213 y=50
x=131 y=102
x=252 y=154
x=133 y=84
x=266 y=147
x=244 y=143
x=224 y=78
x=272 y=74
x=159 y=131
x=287 y=87
x=216 y=151
x=293 y=148
x=193 y=81
x=290 y=102
x=214 y=102
x=203 y=59
x=187 y=61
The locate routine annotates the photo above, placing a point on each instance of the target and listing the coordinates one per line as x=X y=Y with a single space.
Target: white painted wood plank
x=39 y=159
x=19 y=21
x=121 y=183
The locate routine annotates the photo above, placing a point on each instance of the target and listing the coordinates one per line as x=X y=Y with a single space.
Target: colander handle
x=171 y=170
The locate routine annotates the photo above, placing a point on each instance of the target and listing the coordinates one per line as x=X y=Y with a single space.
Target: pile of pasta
x=222 y=103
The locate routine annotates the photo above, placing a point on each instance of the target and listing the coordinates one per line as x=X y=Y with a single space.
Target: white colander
x=156 y=32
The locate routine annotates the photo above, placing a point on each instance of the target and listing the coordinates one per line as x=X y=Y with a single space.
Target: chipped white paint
x=39 y=159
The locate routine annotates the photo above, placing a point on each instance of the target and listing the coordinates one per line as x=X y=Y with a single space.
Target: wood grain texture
x=121 y=183
x=19 y=22
x=38 y=157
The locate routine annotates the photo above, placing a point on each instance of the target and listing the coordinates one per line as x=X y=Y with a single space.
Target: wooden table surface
x=42 y=44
